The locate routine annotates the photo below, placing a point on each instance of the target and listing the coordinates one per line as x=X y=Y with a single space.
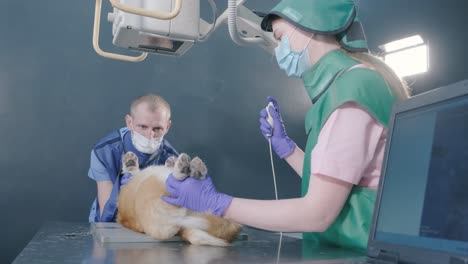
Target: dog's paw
x=182 y=167
x=130 y=162
x=170 y=162
x=198 y=169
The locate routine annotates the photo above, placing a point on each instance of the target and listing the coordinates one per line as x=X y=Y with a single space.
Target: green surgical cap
x=325 y=17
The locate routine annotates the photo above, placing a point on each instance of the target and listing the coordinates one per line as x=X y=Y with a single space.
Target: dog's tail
x=207 y=229
x=193 y=222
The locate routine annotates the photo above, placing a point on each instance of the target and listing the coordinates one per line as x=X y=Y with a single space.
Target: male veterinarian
x=147 y=123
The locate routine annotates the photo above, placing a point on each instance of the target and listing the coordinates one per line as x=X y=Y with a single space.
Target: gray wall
x=57 y=97
x=441 y=23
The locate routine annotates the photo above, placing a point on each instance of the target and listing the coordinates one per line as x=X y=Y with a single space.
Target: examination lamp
x=171 y=27
x=407 y=56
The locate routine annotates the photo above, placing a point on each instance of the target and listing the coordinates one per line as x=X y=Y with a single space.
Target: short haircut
x=153 y=101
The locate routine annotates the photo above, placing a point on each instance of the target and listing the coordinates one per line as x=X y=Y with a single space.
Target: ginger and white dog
x=141 y=208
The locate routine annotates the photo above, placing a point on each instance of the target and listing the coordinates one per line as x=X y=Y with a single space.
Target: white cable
x=279 y=248
x=273 y=169
x=232 y=26
x=276 y=196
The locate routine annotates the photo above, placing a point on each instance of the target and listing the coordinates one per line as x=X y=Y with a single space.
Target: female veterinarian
x=352 y=93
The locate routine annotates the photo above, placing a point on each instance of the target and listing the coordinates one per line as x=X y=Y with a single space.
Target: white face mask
x=145 y=145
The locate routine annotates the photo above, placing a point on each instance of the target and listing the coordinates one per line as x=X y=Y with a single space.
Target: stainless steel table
x=65 y=242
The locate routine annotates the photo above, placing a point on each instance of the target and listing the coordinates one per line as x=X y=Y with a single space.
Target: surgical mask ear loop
x=133 y=128
x=290 y=34
x=270 y=121
x=307 y=44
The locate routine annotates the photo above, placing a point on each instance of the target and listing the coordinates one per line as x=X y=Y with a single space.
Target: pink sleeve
x=348 y=144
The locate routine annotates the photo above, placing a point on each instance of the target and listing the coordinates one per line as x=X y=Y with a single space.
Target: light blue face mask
x=295 y=63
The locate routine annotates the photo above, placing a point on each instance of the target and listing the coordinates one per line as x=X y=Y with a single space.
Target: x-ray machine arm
x=171 y=27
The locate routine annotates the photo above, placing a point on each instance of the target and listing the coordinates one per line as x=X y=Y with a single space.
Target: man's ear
x=169 y=123
x=128 y=121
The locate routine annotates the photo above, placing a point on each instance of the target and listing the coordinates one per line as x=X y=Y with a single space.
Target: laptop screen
x=424 y=197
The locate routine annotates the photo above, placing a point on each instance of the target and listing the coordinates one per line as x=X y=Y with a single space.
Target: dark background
x=57 y=97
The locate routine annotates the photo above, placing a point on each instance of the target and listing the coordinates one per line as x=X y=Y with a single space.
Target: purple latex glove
x=125 y=179
x=196 y=195
x=280 y=142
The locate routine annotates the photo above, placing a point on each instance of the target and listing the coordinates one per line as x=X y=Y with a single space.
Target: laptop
x=421 y=213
